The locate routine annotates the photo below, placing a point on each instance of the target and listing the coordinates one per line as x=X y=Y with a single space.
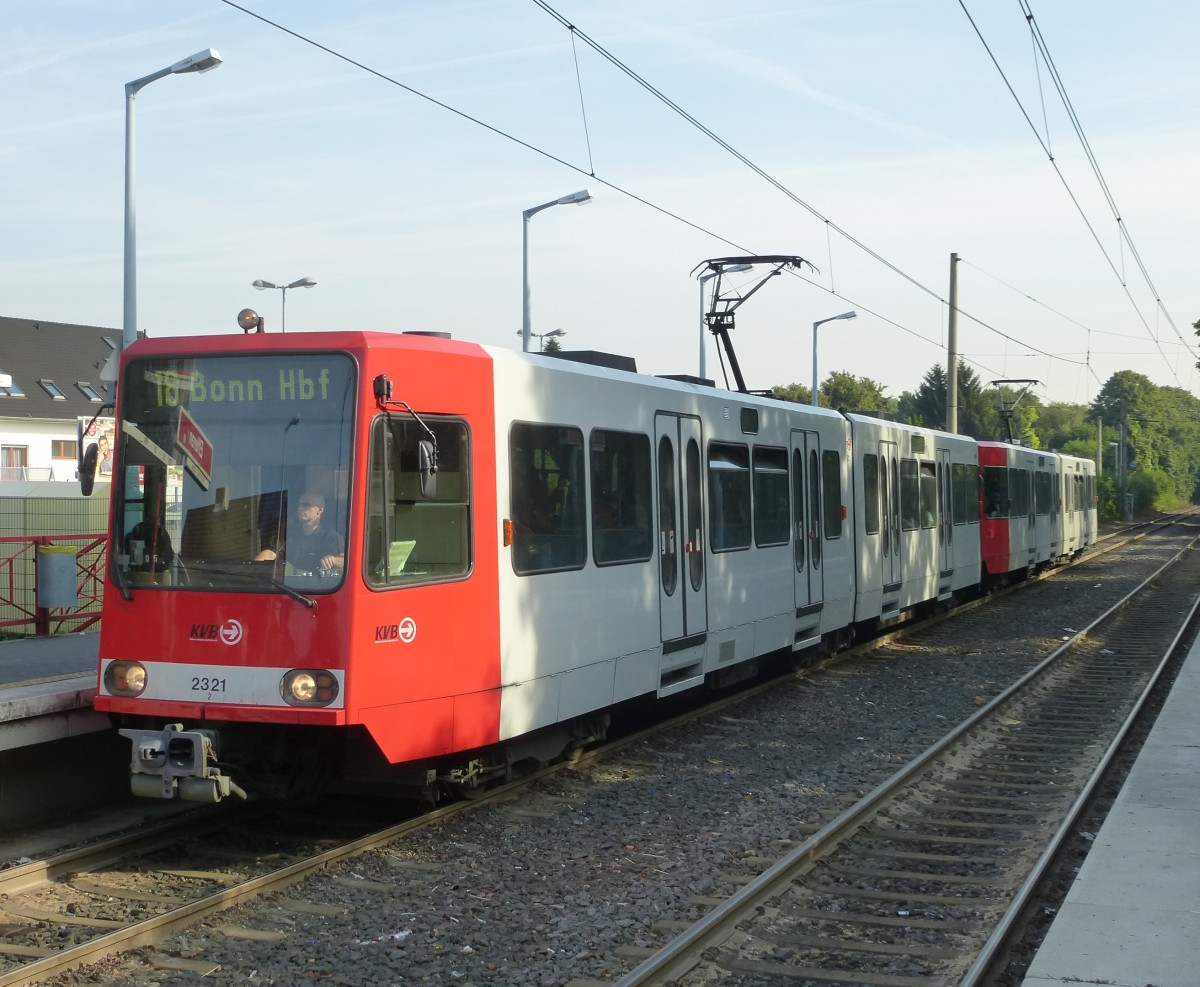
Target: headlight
x=125 y=678
x=308 y=687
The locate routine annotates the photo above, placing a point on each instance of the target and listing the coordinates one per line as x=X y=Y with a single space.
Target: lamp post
x=574 y=199
x=703 y=279
x=202 y=61
x=543 y=336
x=262 y=285
x=833 y=318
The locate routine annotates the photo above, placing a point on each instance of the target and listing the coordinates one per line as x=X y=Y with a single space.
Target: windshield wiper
x=261 y=577
x=122 y=583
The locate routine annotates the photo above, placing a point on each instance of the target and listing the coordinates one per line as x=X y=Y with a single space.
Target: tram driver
x=305 y=544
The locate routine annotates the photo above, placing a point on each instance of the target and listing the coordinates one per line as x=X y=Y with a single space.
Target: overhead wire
x=599 y=49
x=725 y=145
x=1039 y=42
x=479 y=123
x=1122 y=227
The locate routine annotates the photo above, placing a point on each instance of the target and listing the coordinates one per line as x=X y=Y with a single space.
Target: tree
x=1162 y=438
x=1061 y=424
x=978 y=415
x=797 y=393
x=979 y=409
x=927 y=406
x=550 y=344
x=844 y=390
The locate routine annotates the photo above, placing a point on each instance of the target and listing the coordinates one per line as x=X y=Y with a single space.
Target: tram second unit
x=1039 y=509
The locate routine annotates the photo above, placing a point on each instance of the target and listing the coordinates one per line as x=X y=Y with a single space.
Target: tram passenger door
x=681 y=531
x=889 y=521
x=807 y=541
x=945 y=519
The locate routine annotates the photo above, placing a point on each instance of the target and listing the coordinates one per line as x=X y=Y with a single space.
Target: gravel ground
x=566 y=881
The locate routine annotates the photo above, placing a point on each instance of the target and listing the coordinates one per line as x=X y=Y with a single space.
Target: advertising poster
x=102 y=431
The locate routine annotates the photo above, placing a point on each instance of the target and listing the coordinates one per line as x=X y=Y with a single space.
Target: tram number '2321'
x=202 y=683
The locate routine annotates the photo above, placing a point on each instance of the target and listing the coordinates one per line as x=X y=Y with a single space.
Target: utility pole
x=952 y=351
x=1123 y=468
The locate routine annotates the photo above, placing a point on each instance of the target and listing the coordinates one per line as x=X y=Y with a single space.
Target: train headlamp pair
x=299 y=687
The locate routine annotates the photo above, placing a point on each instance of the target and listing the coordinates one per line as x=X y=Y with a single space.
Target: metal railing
x=20 y=574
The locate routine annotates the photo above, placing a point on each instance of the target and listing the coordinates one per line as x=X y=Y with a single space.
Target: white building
x=50 y=377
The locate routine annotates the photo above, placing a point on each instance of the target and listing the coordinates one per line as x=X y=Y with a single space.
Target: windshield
x=233 y=472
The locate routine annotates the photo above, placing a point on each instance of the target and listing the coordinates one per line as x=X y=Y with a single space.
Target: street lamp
x=543 y=336
x=821 y=322
x=732 y=269
x=202 y=61
x=574 y=199
x=262 y=285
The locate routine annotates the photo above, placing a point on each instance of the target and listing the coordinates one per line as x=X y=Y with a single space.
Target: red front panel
x=424 y=674
x=418 y=665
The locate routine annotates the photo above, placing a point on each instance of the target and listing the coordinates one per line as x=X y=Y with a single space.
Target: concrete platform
x=1132 y=917
x=47 y=685
x=57 y=754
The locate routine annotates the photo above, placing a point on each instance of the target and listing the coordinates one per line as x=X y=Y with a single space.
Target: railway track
x=113 y=897
x=83 y=904
x=920 y=883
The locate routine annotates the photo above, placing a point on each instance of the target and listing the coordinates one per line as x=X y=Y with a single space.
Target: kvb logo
x=405 y=632
x=229 y=633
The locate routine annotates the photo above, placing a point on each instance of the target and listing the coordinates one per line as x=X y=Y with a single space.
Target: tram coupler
x=176 y=763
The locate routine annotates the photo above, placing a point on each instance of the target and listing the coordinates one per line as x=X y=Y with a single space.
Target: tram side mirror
x=87 y=469
x=427 y=465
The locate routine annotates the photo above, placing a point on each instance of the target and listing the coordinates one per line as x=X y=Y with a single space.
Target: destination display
x=173 y=388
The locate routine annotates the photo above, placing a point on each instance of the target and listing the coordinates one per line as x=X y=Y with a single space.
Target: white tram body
x=694 y=530
x=1077 y=497
x=916 y=517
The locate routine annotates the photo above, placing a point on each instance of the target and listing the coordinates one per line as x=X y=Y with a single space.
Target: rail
x=21 y=578
x=1022 y=769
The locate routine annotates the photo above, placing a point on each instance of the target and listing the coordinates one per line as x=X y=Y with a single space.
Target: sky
x=386 y=149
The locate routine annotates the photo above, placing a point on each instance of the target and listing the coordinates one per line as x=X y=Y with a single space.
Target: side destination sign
x=197 y=450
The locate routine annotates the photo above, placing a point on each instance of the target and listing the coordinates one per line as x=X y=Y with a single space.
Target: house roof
x=48 y=358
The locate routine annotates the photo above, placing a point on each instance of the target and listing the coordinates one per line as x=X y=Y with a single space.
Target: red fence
x=19 y=575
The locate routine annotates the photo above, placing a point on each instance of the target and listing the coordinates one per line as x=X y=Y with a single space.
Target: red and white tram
x=513 y=544
x=1039 y=508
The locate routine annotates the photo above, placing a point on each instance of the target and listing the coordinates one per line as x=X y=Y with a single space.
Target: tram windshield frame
x=216 y=455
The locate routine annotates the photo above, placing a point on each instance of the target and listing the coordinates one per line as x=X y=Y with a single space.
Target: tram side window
x=1018 y=485
x=546 y=498
x=831 y=492
x=1041 y=492
x=929 y=491
x=871 y=492
x=964 y=493
x=729 y=491
x=910 y=495
x=771 y=496
x=995 y=492
x=410 y=537
x=621 y=514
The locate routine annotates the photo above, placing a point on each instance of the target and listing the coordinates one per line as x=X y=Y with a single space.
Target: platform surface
x=1132 y=917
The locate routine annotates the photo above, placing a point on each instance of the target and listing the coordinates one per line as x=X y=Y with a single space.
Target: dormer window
x=9 y=388
x=52 y=389
x=89 y=392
